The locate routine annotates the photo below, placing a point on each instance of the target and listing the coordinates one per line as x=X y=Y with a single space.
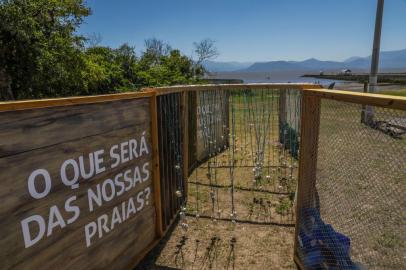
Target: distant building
x=346 y=72
x=321 y=73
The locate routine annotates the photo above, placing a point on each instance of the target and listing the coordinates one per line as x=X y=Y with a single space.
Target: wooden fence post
x=309 y=137
x=155 y=158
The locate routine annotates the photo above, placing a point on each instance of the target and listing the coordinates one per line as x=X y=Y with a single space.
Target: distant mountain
x=314 y=64
x=390 y=60
x=273 y=66
x=214 y=66
x=352 y=59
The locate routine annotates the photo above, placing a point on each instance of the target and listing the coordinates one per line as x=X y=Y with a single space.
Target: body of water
x=272 y=77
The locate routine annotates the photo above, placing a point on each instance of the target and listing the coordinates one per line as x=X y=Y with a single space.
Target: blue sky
x=252 y=30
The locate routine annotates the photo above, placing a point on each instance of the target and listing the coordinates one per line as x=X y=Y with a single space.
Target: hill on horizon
x=215 y=66
x=389 y=60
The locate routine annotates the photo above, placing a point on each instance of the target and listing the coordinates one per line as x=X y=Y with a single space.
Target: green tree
x=42 y=56
x=171 y=69
x=39 y=53
x=127 y=59
x=110 y=70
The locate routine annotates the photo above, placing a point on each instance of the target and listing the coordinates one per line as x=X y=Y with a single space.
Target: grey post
x=373 y=78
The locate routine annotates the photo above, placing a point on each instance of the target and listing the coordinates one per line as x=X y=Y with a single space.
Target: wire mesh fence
x=353 y=215
x=251 y=170
x=171 y=156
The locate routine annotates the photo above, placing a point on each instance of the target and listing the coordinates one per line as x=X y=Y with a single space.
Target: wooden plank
x=298 y=262
x=162 y=161
x=392 y=102
x=63 y=244
x=144 y=253
x=92 y=119
x=46 y=103
x=156 y=169
x=251 y=86
x=310 y=123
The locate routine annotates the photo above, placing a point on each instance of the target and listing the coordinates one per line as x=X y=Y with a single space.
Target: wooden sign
x=212 y=123
x=76 y=186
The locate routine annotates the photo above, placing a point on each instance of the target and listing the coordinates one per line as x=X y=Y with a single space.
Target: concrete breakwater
x=396 y=78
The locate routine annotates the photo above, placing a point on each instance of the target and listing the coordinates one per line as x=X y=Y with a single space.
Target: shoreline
x=391 y=78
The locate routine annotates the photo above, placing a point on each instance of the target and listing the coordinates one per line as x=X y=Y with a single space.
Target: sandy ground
x=222 y=245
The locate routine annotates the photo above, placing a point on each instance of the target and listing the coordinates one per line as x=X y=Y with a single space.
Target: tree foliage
x=38 y=48
x=42 y=56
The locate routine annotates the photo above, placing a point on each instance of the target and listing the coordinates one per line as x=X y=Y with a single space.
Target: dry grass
x=360 y=176
x=400 y=92
x=360 y=180
x=262 y=237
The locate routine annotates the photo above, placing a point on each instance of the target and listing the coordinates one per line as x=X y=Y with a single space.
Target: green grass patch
x=389 y=240
x=283 y=206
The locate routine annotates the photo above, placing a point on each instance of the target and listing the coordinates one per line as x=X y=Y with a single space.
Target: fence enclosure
x=96 y=182
x=350 y=209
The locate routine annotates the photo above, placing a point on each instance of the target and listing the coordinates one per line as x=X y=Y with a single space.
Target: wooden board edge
x=153 y=244
x=387 y=101
x=309 y=137
x=144 y=253
x=59 y=102
x=252 y=86
x=156 y=168
x=298 y=262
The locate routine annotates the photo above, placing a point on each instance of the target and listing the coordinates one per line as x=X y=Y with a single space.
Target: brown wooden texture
x=212 y=123
x=44 y=139
x=46 y=127
x=251 y=86
x=298 y=263
x=53 y=102
x=156 y=173
x=386 y=101
x=310 y=122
